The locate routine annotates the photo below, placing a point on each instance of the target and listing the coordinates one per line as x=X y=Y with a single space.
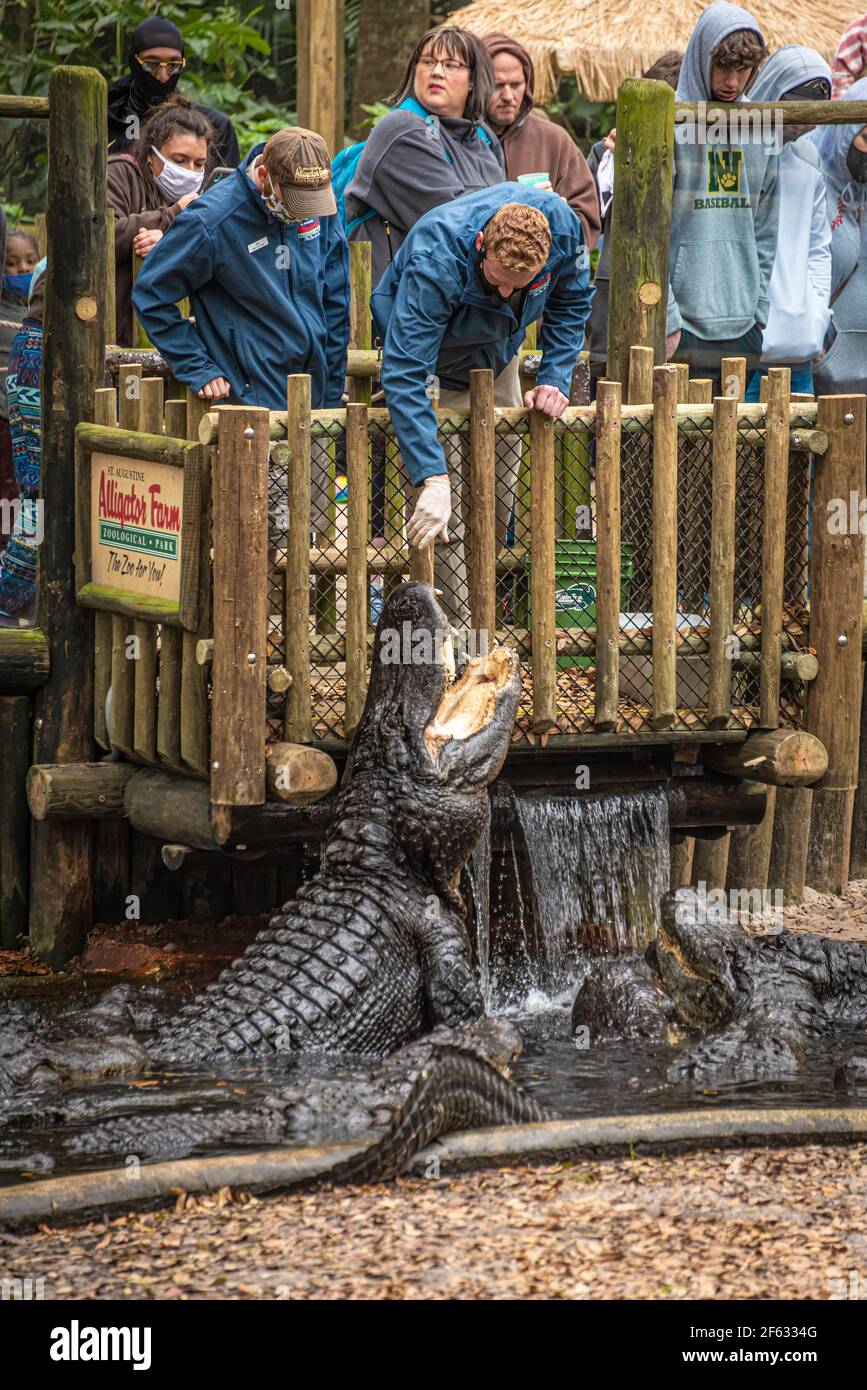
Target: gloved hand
x=432 y=511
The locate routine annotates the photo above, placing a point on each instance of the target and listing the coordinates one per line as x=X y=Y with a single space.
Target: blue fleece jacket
x=436 y=319
x=269 y=298
x=724 y=211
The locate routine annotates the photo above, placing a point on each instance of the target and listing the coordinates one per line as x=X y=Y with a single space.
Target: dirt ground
x=724 y=1224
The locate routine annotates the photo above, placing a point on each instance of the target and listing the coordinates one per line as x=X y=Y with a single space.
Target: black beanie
x=155 y=33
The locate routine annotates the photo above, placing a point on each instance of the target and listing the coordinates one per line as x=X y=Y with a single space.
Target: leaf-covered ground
x=742 y=1223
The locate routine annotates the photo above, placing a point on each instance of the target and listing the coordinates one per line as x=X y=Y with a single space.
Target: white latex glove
x=430 y=518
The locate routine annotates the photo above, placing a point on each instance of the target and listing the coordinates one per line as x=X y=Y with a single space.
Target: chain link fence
x=390 y=501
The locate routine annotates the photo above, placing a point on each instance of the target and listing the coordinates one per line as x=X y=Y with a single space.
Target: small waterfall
x=479 y=877
x=599 y=866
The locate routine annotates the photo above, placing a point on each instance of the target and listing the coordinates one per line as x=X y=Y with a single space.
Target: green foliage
x=587 y=121
x=375 y=112
x=239 y=60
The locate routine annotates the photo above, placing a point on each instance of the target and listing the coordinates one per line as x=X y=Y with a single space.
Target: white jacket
x=800 y=287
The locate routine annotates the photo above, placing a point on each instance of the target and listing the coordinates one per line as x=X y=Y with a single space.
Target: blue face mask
x=17 y=284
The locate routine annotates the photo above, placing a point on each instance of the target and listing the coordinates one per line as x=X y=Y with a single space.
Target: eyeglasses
x=153 y=66
x=448 y=65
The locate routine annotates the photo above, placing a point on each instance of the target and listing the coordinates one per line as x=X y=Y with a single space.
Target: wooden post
x=836 y=611
x=700 y=391
x=607 y=555
x=750 y=850
x=357 y=593
x=110 y=312
x=858 y=853
x=360 y=327
x=640 y=375
x=239 y=668
x=298 y=724
x=664 y=547
x=733 y=377
x=150 y=421
x=104 y=413
x=787 y=869
x=193 y=695
x=640 y=223
x=774 y=543
x=710 y=860
x=74 y=349
x=319 y=44
x=722 y=560
x=15 y=714
x=681 y=372
x=542 y=572
x=481 y=561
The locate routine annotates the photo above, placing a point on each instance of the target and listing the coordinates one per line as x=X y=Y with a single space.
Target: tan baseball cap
x=298 y=160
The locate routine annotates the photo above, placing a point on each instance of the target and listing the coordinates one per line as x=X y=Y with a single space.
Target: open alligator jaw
x=468 y=705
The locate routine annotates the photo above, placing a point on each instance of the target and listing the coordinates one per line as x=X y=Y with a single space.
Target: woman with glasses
x=431 y=147
x=156 y=61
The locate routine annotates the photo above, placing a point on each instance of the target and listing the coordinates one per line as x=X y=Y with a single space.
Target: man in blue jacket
x=264 y=262
x=460 y=293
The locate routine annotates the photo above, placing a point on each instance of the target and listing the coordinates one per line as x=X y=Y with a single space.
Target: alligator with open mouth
x=373 y=953
x=760 y=1002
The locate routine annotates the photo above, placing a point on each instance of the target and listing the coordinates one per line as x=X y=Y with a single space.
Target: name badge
x=257 y=245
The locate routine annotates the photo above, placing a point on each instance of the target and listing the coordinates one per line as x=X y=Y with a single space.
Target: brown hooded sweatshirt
x=533 y=143
x=138 y=202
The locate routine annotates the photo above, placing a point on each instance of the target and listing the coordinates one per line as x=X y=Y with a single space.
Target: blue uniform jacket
x=435 y=319
x=269 y=298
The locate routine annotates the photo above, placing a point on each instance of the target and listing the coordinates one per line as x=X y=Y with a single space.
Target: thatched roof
x=605 y=41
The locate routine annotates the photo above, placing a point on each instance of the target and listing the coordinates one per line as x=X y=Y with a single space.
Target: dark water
x=578 y=876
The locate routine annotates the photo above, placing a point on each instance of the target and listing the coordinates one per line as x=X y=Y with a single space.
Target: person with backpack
x=148 y=186
x=432 y=147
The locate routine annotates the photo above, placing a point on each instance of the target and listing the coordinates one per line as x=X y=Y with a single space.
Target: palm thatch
x=605 y=41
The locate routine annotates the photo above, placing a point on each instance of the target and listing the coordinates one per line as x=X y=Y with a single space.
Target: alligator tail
x=454 y=1090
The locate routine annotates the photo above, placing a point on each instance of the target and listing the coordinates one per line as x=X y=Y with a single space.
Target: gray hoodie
x=843 y=369
x=724 y=210
x=409 y=166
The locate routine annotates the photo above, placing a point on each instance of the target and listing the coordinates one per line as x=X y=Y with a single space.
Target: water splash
x=599 y=866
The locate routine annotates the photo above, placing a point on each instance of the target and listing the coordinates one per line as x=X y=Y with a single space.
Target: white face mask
x=276 y=208
x=175 y=180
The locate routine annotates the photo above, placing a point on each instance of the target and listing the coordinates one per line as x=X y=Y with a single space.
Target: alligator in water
x=373 y=952
x=759 y=1001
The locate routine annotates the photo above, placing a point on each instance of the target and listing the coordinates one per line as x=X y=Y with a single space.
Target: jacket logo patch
x=539 y=285
x=724 y=171
x=257 y=245
x=309 y=230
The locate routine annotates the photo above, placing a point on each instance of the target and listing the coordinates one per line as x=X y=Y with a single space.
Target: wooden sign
x=138 y=524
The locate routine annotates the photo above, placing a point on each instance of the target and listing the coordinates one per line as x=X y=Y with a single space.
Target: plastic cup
x=534 y=179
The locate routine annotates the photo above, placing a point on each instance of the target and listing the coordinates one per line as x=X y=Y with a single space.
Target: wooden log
x=121 y=724
x=15 y=733
x=681 y=374
x=807 y=441
x=150 y=419
x=240 y=608
x=681 y=854
x=74 y=346
x=481 y=567
x=24 y=660
x=794 y=666
x=700 y=391
x=787 y=868
x=710 y=860
x=542 y=573
x=641 y=216
x=24 y=108
x=319 y=42
x=733 y=377
x=421 y=564
x=715 y=801
x=144 y=728
x=779 y=757
x=195 y=737
x=104 y=413
x=664 y=548
x=168 y=807
x=298 y=721
x=129 y=395
x=836 y=612
x=357 y=591
x=110 y=312
x=640 y=375
x=722 y=561
x=168 y=744
x=509 y=419
x=77 y=790
x=360 y=327
x=858 y=847
x=797 y=112
x=774 y=543
x=175 y=419
x=298 y=773
x=750 y=851
x=607 y=555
